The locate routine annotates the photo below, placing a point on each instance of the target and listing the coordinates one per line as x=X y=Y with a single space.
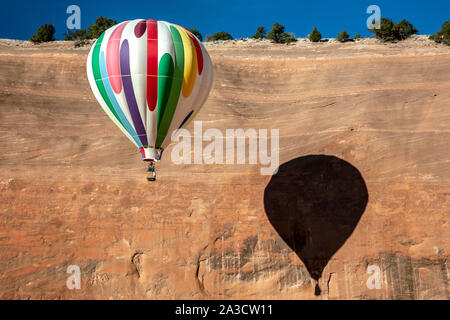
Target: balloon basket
x=151 y=171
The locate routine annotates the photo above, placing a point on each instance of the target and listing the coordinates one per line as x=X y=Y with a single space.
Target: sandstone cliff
x=73 y=189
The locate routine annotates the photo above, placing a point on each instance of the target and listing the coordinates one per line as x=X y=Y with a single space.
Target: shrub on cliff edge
x=221 y=35
x=278 y=35
x=343 y=36
x=389 y=31
x=45 y=33
x=443 y=35
x=315 y=35
x=260 y=33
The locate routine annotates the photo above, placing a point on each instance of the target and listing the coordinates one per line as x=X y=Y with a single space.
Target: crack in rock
x=328 y=282
x=136 y=262
x=200 y=282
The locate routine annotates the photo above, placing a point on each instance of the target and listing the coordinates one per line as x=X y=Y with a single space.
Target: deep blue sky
x=19 y=19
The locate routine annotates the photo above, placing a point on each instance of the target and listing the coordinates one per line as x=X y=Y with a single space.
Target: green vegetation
x=100 y=25
x=260 y=33
x=404 y=29
x=278 y=35
x=81 y=37
x=315 y=35
x=289 y=37
x=92 y=32
x=45 y=33
x=443 y=35
x=390 y=32
x=196 y=33
x=385 y=32
x=343 y=36
x=82 y=34
x=221 y=35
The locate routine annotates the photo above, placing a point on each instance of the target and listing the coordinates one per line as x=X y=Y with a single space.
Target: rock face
x=73 y=189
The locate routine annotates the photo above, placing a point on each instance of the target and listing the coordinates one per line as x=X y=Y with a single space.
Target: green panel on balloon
x=175 y=89
x=165 y=76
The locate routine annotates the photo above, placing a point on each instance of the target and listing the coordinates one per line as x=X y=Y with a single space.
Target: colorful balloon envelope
x=151 y=78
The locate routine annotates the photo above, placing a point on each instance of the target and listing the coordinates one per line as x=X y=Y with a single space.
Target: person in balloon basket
x=151 y=175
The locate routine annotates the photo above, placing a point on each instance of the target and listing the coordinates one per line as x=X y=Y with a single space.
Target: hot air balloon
x=151 y=78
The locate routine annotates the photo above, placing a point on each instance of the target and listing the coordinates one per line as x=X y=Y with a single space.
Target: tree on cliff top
x=92 y=32
x=389 y=31
x=278 y=35
x=315 y=35
x=260 y=33
x=82 y=34
x=343 y=36
x=45 y=33
x=404 y=29
x=443 y=35
x=100 y=25
x=221 y=35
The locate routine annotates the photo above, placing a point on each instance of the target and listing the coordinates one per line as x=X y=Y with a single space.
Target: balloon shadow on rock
x=314 y=203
